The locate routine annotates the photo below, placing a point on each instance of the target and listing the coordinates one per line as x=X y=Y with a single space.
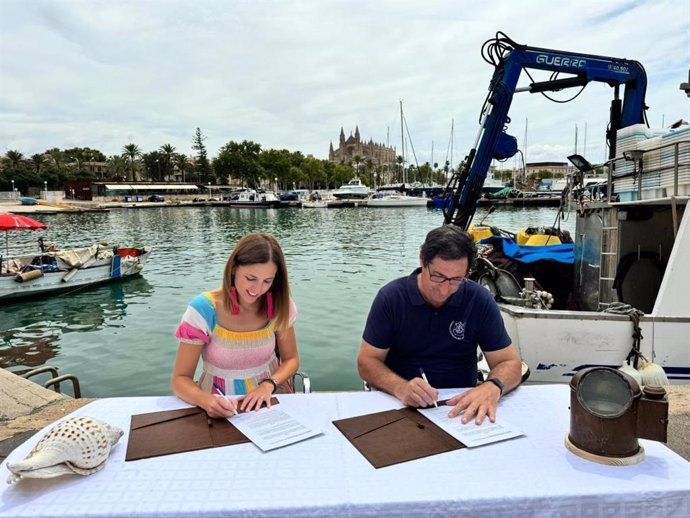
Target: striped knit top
x=234 y=360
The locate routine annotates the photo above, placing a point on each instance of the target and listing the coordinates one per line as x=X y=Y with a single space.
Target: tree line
x=245 y=163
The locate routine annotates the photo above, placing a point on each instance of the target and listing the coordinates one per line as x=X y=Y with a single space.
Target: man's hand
x=416 y=393
x=480 y=401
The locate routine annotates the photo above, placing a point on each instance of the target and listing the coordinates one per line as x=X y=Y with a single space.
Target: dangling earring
x=235 y=307
x=269 y=305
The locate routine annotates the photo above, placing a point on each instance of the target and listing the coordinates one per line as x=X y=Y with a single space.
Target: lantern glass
x=605 y=393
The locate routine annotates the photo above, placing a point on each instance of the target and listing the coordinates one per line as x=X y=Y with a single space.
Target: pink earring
x=269 y=304
x=235 y=307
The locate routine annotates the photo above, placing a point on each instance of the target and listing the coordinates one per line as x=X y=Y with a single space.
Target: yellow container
x=479 y=232
x=530 y=239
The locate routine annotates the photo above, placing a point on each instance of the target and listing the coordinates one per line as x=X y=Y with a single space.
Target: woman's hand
x=220 y=406
x=257 y=397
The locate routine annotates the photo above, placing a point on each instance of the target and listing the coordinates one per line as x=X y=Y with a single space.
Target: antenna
x=575 y=149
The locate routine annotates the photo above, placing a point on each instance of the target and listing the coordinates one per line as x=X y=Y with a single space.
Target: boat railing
x=657 y=172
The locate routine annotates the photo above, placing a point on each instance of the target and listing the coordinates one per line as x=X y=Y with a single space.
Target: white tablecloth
x=325 y=476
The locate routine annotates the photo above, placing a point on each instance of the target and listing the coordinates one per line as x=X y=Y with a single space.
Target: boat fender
x=631 y=371
x=28 y=276
x=69 y=274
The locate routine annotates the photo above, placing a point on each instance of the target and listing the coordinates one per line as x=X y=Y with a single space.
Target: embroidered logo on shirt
x=457 y=330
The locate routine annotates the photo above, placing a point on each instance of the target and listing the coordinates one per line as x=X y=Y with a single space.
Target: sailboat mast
x=402 y=136
x=575 y=150
x=388 y=162
x=452 y=137
x=431 y=165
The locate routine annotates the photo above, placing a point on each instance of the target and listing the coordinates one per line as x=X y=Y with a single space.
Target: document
x=271 y=428
x=470 y=434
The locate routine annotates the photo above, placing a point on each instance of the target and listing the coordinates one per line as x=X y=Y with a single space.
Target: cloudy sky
x=290 y=74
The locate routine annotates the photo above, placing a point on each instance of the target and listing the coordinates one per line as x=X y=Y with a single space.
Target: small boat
x=251 y=199
x=314 y=201
x=316 y=204
x=396 y=200
x=352 y=190
x=64 y=270
x=28 y=201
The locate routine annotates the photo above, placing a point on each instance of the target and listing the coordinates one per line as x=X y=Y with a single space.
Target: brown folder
x=395 y=436
x=176 y=431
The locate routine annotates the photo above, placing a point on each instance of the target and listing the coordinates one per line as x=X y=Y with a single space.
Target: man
x=434 y=320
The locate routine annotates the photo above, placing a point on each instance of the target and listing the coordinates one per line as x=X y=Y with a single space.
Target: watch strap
x=498 y=383
x=272 y=382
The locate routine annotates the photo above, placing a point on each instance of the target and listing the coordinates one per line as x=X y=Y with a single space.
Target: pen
x=421 y=371
x=220 y=392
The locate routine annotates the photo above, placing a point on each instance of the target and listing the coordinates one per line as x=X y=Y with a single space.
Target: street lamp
x=14 y=196
x=72 y=192
x=276 y=182
x=209 y=191
x=159 y=169
x=45 y=189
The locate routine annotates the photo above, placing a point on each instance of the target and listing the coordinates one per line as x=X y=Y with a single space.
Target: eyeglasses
x=440 y=279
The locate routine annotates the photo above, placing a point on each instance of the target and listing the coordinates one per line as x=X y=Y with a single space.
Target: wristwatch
x=498 y=383
x=272 y=382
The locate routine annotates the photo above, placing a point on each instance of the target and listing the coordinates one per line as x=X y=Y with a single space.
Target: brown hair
x=258 y=248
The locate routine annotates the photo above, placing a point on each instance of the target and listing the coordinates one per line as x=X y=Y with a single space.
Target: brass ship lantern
x=609 y=413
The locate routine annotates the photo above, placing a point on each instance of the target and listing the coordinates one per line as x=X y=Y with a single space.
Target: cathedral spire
x=342 y=135
x=357 y=133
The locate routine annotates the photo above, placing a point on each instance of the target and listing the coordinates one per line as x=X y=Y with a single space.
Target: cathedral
x=353 y=146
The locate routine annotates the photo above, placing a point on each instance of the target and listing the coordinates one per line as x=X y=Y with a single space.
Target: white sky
x=289 y=74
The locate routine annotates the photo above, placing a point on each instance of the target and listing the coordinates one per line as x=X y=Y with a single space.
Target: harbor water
x=118 y=338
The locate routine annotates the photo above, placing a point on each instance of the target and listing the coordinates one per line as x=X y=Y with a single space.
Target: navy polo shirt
x=443 y=341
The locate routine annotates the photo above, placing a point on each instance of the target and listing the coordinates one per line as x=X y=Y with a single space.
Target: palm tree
x=37 y=160
x=182 y=163
x=399 y=159
x=117 y=166
x=131 y=152
x=357 y=159
x=14 y=158
x=167 y=150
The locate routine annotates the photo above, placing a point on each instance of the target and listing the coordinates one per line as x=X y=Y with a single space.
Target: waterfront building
x=353 y=146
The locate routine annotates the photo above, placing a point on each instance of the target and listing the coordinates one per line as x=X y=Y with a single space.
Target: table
x=325 y=476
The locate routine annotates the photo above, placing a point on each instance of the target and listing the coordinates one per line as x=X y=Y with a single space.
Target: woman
x=237 y=330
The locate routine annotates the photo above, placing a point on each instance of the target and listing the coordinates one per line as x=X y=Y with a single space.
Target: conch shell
x=78 y=445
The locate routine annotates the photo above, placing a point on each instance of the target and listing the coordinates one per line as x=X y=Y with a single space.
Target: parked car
x=156 y=197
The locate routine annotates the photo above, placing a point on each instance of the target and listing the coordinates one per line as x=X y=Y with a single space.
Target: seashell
x=78 y=445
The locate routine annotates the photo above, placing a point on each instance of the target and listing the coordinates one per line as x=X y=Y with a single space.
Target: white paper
x=271 y=428
x=470 y=434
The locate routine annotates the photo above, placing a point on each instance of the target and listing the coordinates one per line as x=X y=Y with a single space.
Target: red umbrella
x=17 y=222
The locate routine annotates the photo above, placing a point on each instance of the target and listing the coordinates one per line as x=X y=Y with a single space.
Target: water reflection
x=32 y=330
x=118 y=338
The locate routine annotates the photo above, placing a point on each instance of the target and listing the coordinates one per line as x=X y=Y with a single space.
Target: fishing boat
x=49 y=272
x=616 y=294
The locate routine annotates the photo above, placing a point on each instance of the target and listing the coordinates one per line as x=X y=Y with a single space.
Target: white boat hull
x=319 y=204
x=65 y=280
x=557 y=344
x=397 y=201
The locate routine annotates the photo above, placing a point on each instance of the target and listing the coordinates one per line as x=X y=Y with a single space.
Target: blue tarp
x=529 y=254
